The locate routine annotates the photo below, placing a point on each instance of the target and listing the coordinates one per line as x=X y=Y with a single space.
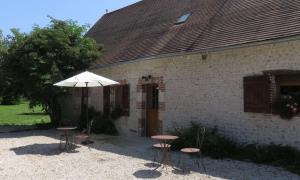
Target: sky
x=23 y=14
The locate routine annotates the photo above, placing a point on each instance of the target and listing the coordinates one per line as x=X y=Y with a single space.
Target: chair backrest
x=200 y=137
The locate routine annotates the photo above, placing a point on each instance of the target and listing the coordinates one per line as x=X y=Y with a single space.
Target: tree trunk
x=55 y=113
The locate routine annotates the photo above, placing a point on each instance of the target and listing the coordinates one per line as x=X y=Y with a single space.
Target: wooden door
x=151 y=124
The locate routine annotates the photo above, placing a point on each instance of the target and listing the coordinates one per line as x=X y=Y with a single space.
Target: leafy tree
x=2 y=52
x=47 y=55
x=7 y=96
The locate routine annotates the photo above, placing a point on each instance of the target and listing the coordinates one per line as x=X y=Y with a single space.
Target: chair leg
x=197 y=162
x=155 y=157
x=204 y=168
x=70 y=143
x=184 y=169
x=60 y=141
x=181 y=163
x=73 y=142
x=179 y=160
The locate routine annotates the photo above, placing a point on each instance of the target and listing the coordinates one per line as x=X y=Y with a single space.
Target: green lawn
x=22 y=115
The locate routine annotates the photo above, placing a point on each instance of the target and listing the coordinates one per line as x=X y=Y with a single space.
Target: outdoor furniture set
x=68 y=138
x=67 y=143
x=164 y=145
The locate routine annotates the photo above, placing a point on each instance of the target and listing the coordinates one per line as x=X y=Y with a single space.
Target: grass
x=22 y=115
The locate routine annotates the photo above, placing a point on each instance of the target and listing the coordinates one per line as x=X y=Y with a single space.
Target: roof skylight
x=183 y=18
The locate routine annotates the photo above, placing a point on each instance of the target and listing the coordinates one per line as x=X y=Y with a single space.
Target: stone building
x=221 y=63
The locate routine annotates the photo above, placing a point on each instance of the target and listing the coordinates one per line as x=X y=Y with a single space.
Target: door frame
x=151 y=110
x=141 y=102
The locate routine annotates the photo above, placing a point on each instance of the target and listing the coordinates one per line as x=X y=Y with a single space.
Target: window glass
x=183 y=18
x=286 y=90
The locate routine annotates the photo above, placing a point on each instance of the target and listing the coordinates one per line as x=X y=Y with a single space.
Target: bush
x=10 y=100
x=287 y=106
x=214 y=145
x=102 y=124
x=218 y=146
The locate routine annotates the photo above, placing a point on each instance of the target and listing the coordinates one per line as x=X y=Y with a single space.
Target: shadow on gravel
x=40 y=149
x=152 y=165
x=147 y=174
x=10 y=128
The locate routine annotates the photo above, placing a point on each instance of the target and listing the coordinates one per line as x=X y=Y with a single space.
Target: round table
x=164 y=140
x=66 y=133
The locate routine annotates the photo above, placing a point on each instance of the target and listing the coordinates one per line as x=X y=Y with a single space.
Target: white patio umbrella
x=86 y=79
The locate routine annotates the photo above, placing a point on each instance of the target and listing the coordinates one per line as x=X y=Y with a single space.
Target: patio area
x=35 y=155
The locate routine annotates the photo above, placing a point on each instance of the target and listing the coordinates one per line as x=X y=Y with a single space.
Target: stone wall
x=210 y=91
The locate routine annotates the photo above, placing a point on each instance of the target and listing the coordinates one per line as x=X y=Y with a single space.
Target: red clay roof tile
x=148 y=28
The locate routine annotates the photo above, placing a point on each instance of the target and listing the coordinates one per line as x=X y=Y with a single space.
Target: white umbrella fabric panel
x=86 y=79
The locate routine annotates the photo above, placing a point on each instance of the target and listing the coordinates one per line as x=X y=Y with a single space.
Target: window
x=183 y=18
x=287 y=90
x=257 y=94
x=118 y=99
x=288 y=84
x=260 y=93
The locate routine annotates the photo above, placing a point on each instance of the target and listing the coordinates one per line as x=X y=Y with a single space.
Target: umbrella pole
x=88 y=127
x=87 y=111
x=87 y=115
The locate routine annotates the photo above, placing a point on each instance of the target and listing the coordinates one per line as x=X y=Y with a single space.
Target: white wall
x=211 y=91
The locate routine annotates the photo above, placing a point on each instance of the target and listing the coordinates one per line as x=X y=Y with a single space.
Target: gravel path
x=35 y=155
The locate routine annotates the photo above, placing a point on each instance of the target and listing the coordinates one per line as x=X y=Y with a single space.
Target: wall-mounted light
x=204 y=56
x=146 y=78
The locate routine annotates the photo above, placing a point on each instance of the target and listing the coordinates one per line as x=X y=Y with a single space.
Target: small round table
x=66 y=133
x=164 y=140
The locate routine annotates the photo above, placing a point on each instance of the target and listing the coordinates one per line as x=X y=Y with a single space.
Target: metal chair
x=157 y=148
x=197 y=150
x=69 y=142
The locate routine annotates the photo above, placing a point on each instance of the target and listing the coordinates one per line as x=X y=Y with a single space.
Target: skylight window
x=183 y=18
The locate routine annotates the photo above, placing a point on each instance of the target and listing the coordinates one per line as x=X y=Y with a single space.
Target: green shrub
x=102 y=124
x=214 y=145
x=9 y=100
x=218 y=146
x=287 y=106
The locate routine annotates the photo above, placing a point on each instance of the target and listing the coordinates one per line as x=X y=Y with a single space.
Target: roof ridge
x=120 y=9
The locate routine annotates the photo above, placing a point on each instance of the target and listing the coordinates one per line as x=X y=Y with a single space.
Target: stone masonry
x=210 y=91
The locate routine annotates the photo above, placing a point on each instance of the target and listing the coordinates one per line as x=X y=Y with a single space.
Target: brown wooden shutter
x=257 y=94
x=106 y=99
x=125 y=99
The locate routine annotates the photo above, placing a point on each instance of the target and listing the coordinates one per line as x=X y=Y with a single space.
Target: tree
x=8 y=94
x=2 y=53
x=47 y=55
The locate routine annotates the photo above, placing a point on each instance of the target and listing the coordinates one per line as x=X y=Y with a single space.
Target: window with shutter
x=120 y=99
x=257 y=94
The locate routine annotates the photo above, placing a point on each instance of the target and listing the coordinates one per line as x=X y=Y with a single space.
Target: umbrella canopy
x=86 y=79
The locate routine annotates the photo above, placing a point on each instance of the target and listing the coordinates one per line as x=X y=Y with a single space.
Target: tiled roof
x=147 y=28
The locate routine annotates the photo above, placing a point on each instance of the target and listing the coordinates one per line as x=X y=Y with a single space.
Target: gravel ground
x=35 y=155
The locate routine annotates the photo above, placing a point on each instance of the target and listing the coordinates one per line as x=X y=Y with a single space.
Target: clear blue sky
x=23 y=14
